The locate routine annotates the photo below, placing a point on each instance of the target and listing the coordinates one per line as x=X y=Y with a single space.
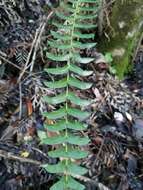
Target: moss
x=124 y=33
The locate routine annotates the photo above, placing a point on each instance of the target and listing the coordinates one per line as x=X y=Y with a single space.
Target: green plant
x=109 y=59
x=73 y=28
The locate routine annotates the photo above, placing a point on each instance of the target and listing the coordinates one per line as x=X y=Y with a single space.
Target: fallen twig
x=35 y=46
x=8 y=155
x=92 y=182
x=38 y=41
x=29 y=56
x=98 y=154
x=20 y=101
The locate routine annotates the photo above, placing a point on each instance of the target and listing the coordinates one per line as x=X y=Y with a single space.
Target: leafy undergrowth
x=115 y=126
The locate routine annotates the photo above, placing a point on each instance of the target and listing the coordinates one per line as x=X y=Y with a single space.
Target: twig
x=28 y=58
x=3 y=54
x=20 y=101
x=99 y=152
x=92 y=182
x=10 y=156
x=106 y=5
x=38 y=40
x=137 y=48
x=85 y=179
x=34 y=46
x=102 y=187
x=101 y=18
x=103 y=13
x=36 y=149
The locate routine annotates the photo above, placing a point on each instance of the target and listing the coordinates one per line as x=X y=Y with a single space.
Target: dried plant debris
x=115 y=131
x=135 y=79
x=19 y=22
x=23 y=161
x=115 y=127
x=115 y=150
x=12 y=11
x=20 y=152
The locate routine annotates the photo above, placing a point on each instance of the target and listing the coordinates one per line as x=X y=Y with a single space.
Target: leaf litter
x=115 y=126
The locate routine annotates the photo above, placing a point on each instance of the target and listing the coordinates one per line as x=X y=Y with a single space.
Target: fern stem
x=68 y=75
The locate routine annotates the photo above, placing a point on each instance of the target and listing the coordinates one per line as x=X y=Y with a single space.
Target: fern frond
x=73 y=28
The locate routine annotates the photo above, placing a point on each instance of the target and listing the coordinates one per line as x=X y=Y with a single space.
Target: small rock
x=129 y=117
x=28 y=138
x=118 y=118
x=138 y=129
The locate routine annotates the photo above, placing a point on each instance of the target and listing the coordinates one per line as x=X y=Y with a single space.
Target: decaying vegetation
x=42 y=41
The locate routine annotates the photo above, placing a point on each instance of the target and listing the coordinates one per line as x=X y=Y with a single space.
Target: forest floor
x=115 y=160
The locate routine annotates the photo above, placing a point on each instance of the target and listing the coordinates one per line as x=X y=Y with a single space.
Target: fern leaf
x=60 y=36
x=65 y=27
x=88 y=1
x=86 y=17
x=56 y=99
x=55 y=44
x=62 y=124
x=66 y=69
x=76 y=140
x=61 y=167
x=63 y=97
x=70 y=184
x=62 y=16
x=78 y=113
x=58 y=71
x=78 y=101
x=83 y=45
x=57 y=84
x=82 y=60
x=58 y=57
x=79 y=84
x=59 y=139
x=79 y=71
x=85 y=26
x=55 y=114
x=71 y=153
